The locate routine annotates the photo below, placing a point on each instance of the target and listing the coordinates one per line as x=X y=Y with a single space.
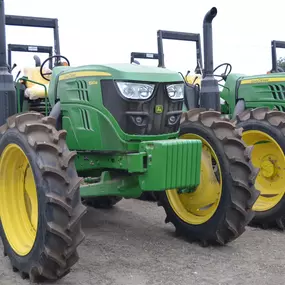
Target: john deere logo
x=158 y=109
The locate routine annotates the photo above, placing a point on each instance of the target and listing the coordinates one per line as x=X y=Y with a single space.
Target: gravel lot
x=131 y=245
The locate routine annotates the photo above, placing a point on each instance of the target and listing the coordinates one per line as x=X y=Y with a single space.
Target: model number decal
x=93 y=82
x=262 y=80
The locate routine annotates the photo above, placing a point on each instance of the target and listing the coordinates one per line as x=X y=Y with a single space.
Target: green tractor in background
x=107 y=132
x=253 y=103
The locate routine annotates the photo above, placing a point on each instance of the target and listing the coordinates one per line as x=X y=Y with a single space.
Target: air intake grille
x=280 y=108
x=278 y=91
x=85 y=119
x=82 y=90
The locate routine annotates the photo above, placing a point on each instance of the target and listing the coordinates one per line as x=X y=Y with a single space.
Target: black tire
x=60 y=210
x=272 y=123
x=148 y=196
x=104 y=202
x=238 y=193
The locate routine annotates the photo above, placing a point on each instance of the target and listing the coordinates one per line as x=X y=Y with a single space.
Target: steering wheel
x=226 y=72
x=50 y=58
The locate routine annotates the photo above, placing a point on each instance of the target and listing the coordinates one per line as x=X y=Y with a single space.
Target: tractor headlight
x=175 y=91
x=132 y=90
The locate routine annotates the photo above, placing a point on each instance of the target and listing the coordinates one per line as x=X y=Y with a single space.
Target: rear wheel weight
x=264 y=129
x=231 y=211
x=56 y=220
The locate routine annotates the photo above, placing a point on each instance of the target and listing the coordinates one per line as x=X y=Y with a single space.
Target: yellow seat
x=35 y=91
x=194 y=79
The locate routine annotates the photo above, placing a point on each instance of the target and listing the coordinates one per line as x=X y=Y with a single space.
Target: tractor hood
x=126 y=72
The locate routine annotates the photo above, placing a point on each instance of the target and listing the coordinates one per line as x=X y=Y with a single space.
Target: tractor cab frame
x=31 y=49
x=274 y=46
x=143 y=55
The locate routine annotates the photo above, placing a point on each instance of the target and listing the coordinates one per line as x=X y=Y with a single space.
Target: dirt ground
x=131 y=245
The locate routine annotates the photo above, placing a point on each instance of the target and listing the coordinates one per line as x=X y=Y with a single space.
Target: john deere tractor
x=218 y=154
x=256 y=104
x=112 y=131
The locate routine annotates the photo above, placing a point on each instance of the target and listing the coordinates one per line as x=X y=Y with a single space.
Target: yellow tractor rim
x=269 y=158
x=18 y=200
x=200 y=205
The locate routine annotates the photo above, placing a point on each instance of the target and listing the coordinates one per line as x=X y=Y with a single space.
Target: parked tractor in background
x=255 y=104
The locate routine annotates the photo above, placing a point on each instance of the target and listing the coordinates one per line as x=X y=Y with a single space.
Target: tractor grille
x=280 y=108
x=85 y=119
x=82 y=90
x=278 y=91
x=140 y=117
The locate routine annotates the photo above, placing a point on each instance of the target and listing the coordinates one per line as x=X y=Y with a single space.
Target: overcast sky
x=108 y=31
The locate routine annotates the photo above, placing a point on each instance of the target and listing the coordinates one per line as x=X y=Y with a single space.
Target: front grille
x=139 y=117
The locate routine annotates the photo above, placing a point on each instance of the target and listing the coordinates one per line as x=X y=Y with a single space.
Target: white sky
x=98 y=32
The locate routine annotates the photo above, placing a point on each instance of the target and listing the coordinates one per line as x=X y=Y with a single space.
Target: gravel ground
x=131 y=245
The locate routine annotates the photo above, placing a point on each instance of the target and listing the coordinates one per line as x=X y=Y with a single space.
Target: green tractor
x=255 y=104
x=111 y=131
x=216 y=177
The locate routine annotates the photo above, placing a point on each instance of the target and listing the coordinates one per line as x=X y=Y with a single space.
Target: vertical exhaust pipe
x=8 y=102
x=210 y=94
x=208 y=41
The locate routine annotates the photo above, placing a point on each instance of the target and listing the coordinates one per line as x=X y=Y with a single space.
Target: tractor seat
x=34 y=91
x=197 y=80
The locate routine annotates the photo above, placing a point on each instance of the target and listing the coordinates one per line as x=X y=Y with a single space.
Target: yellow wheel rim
x=199 y=206
x=269 y=158
x=18 y=200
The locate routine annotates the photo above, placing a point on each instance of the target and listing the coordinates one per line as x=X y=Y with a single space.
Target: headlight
x=135 y=91
x=175 y=91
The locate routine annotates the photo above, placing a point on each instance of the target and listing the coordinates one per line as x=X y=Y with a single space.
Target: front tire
x=220 y=207
x=40 y=203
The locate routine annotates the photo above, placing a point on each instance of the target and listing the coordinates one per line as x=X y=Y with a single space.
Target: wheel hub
x=268 y=168
x=196 y=206
x=267 y=155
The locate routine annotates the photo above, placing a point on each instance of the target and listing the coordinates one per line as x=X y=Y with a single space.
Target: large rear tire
x=40 y=201
x=218 y=211
x=264 y=129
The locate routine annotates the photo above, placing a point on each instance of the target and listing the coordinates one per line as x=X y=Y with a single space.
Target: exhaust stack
x=210 y=94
